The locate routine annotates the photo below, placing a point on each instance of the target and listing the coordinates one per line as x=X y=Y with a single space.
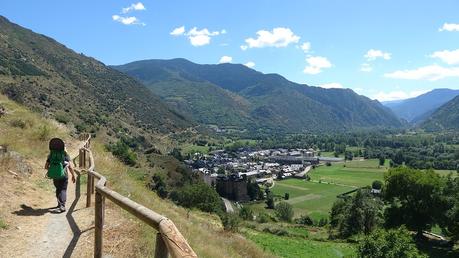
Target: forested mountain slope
x=254 y=99
x=419 y=108
x=47 y=76
x=444 y=118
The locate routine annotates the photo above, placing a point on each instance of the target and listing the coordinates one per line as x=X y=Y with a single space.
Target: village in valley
x=230 y=172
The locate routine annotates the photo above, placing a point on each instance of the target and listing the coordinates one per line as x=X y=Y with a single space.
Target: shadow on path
x=29 y=211
x=73 y=225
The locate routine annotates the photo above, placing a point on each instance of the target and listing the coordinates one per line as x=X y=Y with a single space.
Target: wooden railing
x=168 y=239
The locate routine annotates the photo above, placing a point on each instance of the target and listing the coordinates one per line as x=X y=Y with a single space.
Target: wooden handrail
x=169 y=240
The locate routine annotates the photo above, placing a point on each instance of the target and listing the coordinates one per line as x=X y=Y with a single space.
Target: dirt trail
x=35 y=230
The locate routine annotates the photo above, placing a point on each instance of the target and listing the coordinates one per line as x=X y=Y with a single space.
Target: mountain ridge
x=417 y=109
x=272 y=101
x=444 y=118
x=67 y=84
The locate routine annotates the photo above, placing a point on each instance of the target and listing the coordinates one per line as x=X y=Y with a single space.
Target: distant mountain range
x=444 y=118
x=48 y=77
x=418 y=109
x=235 y=95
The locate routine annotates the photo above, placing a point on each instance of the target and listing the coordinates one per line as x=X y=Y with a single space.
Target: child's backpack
x=56 y=164
x=56 y=168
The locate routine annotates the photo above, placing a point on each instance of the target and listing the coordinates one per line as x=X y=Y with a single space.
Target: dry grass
x=203 y=230
x=125 y=236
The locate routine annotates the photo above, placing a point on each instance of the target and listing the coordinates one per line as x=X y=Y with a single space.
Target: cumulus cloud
x=178 y=31
x=397 y=95
x=225 y=59
x=332 y=85
x=449 y=27
x=306 y=46
x=278 y=37
x=134 y=7
x=197 y=37
x=131 y=20
x=250 y=64
x=365 y=67
x=450 y=57
x=431 y=72
x=373 y=54
x=316 y=64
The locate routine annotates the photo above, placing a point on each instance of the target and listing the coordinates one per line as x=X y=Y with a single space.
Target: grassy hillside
x=419 y=108
x=48 y=77
x=445 y=118
x=268 y=100
x=125 y=236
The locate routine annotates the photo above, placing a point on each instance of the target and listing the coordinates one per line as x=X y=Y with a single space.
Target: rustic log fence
x=169 y=241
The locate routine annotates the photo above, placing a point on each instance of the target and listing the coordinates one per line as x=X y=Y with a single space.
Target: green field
x=354 y=173
x=316 y=197
x=299 y=247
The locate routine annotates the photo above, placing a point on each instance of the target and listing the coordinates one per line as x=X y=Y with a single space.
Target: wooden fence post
x=161 y=248
x=88 y=191
x=99 y=225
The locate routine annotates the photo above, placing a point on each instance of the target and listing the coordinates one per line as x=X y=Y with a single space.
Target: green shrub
x=246 y=213
x=284 y=211
x=19 y=123
x=43 y=132
x=62 y=117
x=263 y=217
x=388 y=244
x=122 y=151
x=230 y=221
x=198 y=195
x=304 y=220
x=3 y=224
x=276 y=231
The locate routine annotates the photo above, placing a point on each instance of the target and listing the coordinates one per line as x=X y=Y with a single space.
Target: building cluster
x=230 y=172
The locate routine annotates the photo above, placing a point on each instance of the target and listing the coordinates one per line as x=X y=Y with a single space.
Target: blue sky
x=382 y=49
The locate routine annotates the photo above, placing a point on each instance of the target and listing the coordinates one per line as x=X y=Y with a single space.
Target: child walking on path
x=58 y=164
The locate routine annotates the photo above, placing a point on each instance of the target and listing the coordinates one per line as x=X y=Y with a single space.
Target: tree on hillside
x=414 y=197
x=348 y=155
x=361 y=213
x=269 y=199
x=382 y=160
x=284 y=211
x=198 y=195
x=449 y=220
x=395 y=243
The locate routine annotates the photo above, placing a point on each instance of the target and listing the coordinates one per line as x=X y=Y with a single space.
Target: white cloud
x=373 y=54
x=306 y=46
x=316 y=64
x=449 y=27
x=225 y=59
x=397 y=95
x=431 y=72
x=365 y=67
x=197 y=37
x=278 y=37
x=447 y=56
x=200 y=37
x=332 y=85
x=178 y=31
x=131 y=20
x=134 y=7
x=250 y=64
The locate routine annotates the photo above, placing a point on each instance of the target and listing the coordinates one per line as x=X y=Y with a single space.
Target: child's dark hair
x=56 y=144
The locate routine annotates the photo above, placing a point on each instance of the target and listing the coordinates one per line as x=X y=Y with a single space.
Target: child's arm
x=70 y=168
